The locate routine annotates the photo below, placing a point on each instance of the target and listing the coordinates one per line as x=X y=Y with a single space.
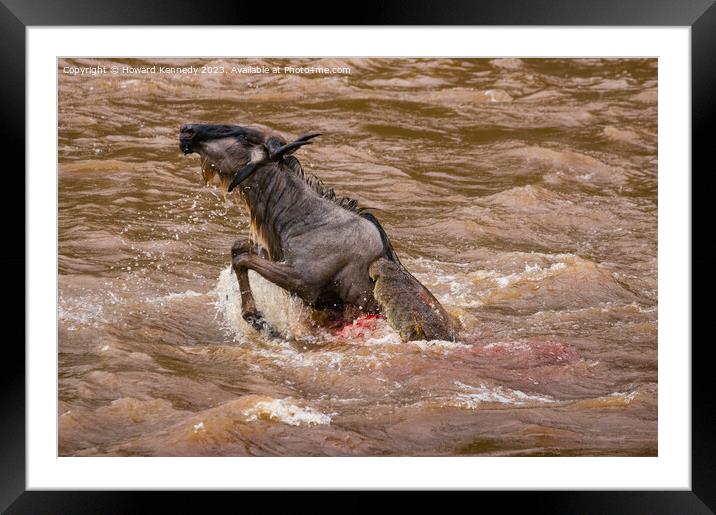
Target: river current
x=521 y=192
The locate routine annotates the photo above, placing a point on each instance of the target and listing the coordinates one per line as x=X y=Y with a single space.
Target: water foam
x=84 y=311
x=627 y=397
x=439 y=344
x=469 y=289
x=531 y=273
x=514 y=346
x=174 y=296
x=285 y=411
x=477 y=395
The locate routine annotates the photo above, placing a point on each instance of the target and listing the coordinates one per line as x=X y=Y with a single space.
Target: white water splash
x=81 y=311
x=627 y=397
x=287 y=313
x=285 y=411
x=514 y=346
x=531 y=273
x=439 y=344
x=174 y=296
x=476 y=395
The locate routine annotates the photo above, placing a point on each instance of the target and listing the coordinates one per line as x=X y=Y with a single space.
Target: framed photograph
x=449 y=253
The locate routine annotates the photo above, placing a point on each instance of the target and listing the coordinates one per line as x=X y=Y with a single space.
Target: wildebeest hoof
x=257 y=321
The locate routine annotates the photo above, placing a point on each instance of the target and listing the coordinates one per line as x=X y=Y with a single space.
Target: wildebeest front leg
x=244 y=246
x=282 y=275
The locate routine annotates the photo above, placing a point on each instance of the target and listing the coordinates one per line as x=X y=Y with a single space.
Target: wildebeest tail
x=387 y=247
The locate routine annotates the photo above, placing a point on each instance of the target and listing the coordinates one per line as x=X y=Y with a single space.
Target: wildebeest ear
x=276 y=148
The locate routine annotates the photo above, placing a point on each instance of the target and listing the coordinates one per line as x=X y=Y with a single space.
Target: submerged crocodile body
x=408 y=305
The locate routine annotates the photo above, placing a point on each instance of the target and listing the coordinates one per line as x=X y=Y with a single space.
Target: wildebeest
x=323 y=248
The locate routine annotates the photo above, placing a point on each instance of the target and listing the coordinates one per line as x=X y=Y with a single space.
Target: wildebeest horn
x=306 y=137
x=277 y=151
x=242 y=175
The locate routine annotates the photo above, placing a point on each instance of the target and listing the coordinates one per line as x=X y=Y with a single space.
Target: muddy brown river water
x=522 y=193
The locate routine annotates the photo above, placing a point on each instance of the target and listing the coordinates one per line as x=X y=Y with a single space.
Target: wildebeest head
x=234 y=151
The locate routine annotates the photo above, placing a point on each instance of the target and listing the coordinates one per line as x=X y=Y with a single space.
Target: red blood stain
x=359 y=327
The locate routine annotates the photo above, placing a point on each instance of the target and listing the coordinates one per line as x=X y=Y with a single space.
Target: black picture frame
x=700 y=15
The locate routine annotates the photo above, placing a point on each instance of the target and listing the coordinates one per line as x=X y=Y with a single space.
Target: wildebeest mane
x=316 y=184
